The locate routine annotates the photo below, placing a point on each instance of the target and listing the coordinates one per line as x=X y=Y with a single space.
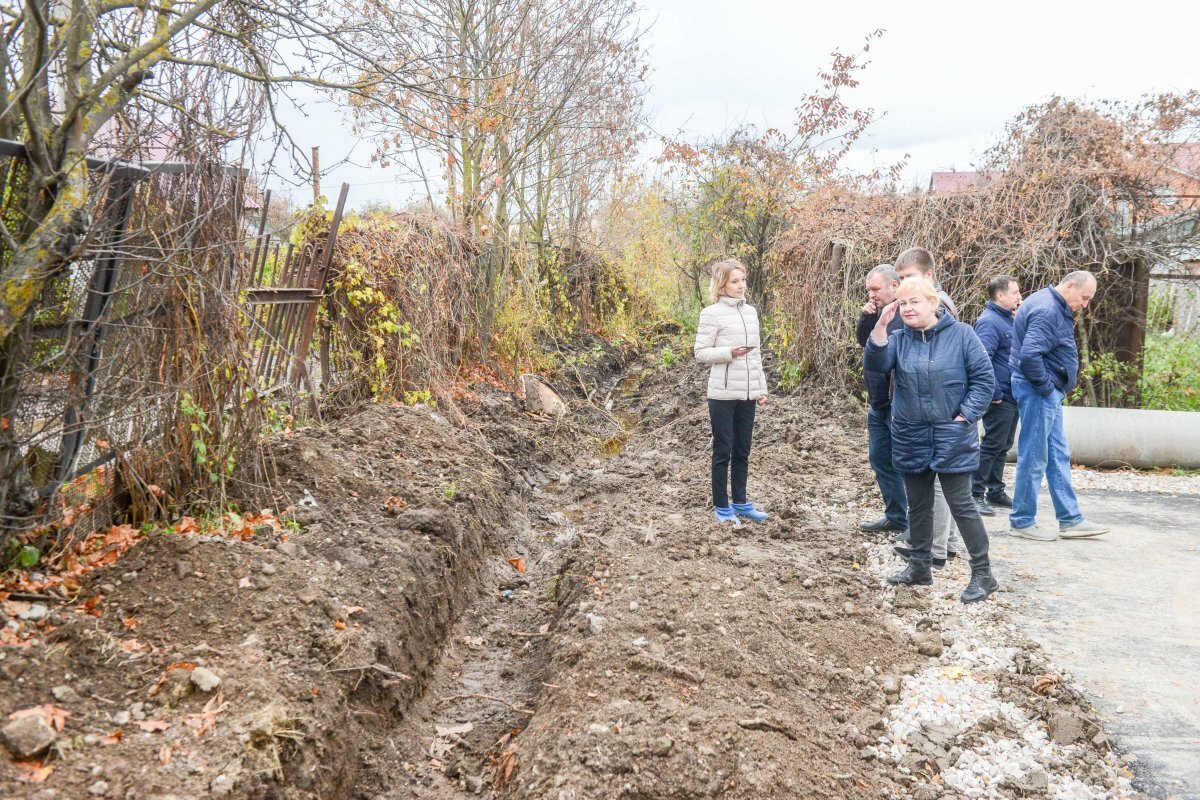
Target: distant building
x=955 y=182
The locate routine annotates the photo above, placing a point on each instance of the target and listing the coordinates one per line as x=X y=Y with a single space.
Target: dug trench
x=523 y=605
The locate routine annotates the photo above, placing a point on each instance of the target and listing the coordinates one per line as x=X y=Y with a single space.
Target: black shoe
x=937 y=563
x=1002 y=500
x=903 y=552
x=982 y=584
x=984 y=509
x=902 y=537
x=912 y=576
x=879 y=525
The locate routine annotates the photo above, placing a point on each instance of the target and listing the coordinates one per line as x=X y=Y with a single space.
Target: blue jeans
x=1041 y=451
x=891 y=482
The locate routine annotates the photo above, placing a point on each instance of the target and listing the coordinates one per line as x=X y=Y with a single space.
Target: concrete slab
x=1121 y=613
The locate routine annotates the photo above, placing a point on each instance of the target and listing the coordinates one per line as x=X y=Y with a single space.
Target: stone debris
x=952 y=720
x=28 y=736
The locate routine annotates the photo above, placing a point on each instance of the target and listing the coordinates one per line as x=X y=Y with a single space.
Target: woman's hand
x=738 y=352
x=879 y=335
x=762 y=400
x=960 y=418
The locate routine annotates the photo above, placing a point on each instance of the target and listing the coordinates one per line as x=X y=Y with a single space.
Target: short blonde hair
x=720 y=273
x=919 y=285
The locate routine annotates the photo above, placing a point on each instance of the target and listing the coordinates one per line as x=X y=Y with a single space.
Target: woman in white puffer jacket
x=727 y=339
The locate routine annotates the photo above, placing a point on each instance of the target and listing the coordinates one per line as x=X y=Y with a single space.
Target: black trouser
x=999 y=433
x=732 y=427
x=957 y=490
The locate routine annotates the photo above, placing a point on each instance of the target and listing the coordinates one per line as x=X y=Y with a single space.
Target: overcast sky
x=948 y=75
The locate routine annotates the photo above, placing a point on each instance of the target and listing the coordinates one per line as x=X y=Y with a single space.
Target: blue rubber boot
x=726 y=514
x=748 y=511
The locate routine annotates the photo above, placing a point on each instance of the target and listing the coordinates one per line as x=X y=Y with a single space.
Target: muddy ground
x=518 y=605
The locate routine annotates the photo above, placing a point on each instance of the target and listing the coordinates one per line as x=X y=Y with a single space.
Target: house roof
x=955 y=181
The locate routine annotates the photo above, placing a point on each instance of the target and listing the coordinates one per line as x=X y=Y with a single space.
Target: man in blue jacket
x=1045 y=368
x=882 y=282
x=994 y=328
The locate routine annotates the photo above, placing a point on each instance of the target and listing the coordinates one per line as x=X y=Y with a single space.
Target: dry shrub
x=402 y=305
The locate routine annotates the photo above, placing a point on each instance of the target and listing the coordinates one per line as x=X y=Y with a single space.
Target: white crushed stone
x=1126 y=480
x=961 y=691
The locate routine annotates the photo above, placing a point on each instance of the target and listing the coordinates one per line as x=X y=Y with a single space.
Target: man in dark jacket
x=994 y=328
x=1045 y=368
x=882 y=282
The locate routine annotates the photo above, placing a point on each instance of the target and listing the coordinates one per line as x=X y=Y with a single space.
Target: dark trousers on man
x=999 y=433
x=733 y=429
x=957 y=490
x=879 y=448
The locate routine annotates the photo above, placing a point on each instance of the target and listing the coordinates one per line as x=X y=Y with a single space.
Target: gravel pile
x=960 y=717
x=1100 y=480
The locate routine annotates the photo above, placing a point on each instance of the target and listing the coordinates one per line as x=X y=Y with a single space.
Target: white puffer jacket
x=727 y=324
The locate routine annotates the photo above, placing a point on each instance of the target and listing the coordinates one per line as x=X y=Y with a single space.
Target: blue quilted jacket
x=1043 y=345
x=939 y=374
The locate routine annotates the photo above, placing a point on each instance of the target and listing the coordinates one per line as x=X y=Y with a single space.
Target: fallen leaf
x=153 y=725
x=244 y=583
x=348 y=610
x=113 y=737
x=132 y=646
x=130 y=622
x=164 y=755
x=341 y=626
x=187 y=525
x=91 y=606
x=154 y=490
x=52 y=715
x=518 y=564
x=33 y=771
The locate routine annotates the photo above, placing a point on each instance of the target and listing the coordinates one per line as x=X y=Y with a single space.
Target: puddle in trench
x=617 y=404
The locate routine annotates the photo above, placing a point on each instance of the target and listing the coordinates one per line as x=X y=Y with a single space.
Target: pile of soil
x=320 y=636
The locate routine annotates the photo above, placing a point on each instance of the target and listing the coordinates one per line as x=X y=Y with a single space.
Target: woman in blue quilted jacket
x=943 y=386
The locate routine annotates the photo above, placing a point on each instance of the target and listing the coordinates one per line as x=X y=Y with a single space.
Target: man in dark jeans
x=882 y=282
x=994 y=328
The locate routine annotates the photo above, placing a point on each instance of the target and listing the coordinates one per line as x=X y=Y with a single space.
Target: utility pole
x=316 y=169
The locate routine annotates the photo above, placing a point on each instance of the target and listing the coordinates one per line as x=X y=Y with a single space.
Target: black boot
x=982 y=584
x=912 y=576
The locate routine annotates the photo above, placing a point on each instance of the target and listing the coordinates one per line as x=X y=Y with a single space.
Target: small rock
x=596 y=729
x=138 y=711
x=221 y=786
x=260 y=582
x=183 y=568
x=890 y=684
x=928 y=643
x=332 y=610
x=633 y=605
x=290 y=549
x=268 y=569
x=809 y=583
x=1065 y=727
x=99 y=789
x=474 y=784
x=595 y=623
x=35 y=612
x=120 y=718
x=28 y=736
x=205 y=679
x=65 y=694
x=662 y=746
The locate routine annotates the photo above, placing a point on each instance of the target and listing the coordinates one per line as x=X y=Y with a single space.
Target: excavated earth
x=518 y=605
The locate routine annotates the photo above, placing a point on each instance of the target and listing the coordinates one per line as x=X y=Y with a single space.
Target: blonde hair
x=919 y=284
x=720 y=273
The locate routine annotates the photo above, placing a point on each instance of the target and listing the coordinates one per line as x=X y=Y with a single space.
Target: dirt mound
x=321 y=635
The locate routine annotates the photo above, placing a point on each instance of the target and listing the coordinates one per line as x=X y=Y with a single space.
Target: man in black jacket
x=882 y=282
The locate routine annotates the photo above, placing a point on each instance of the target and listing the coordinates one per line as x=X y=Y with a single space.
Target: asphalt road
x=1121 y=613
